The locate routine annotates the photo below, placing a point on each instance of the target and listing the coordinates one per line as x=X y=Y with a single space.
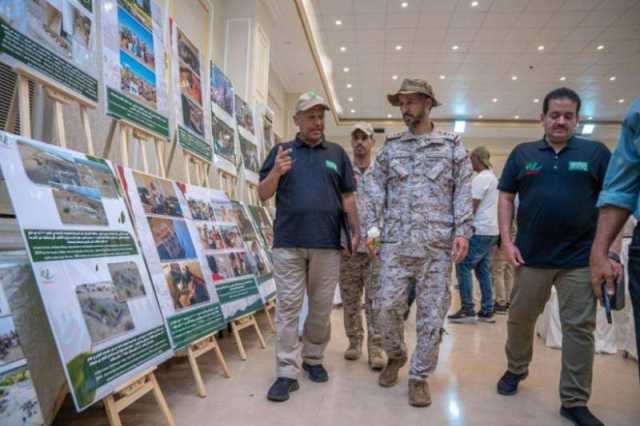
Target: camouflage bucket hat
x=413 y=85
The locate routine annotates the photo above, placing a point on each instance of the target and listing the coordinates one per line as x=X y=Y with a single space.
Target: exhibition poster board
x=247 y=140
x=167 y=218
x=94 y=285
x=18 y=399
x=190 y=80
x=54 y=38
x=133 y=59
x=223 y=124
x=264 y=224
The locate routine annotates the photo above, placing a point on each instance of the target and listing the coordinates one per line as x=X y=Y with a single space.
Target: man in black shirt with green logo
x=557 y=180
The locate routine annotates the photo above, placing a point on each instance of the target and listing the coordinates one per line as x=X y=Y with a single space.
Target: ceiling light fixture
x=455 y=47
x=338 y=22
x=349 y=85
x=394 y=77
x=459 y=126
x=343 y=48
x=612 y=78
x=353 y=111
x=620 y=101
x=600 y=47
x=587 y=129
x=517 y=117
x=442 y=77
x=480 y=116
x=350 y=99
x=563 y=78
x=514 y=77
x=389 y=115
x=345 y=69
x=474 y=3
x=494 y=100
x=541 y=48
x=404 y=4
x=398 y=47
x=536 y=100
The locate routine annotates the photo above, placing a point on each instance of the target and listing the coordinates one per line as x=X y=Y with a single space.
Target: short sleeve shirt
x=557 y=193
x=309 y=211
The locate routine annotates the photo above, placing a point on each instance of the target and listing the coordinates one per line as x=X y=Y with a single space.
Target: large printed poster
x=222 y=121
x=133 y=53
x=167 y=217
x=93 y=281
x=18 y=399
x=56 y=38
x=190 y=80
x=247 y=138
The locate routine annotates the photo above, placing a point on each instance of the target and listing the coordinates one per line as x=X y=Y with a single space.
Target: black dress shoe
x=279 y=391
x=508 y=384
x=581 y=416
x=317 y=373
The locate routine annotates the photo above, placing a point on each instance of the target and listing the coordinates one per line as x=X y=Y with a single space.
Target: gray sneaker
x=463 y=316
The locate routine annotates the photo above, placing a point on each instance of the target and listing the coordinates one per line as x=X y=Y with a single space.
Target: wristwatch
x=614 y=256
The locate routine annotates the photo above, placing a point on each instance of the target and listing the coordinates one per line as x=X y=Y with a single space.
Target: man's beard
x=412 y=122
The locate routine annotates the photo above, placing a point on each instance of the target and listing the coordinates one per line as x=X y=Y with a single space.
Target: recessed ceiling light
x=494 y=100
x=563 y=78
x=389 y=115
x=345 y=69
x=442 y=77
x=394 y=77
x=517 y=117
x=474 y=3
x=459 y=126
x=480 y=116
x=353 y=111
x=455 y=47
x=600 y=47
x=350 y=99
x=536 y=100
x=620 y=101
x=541 y=47
x=349 y=85
x=338 y=22
x=399 y=47
x=587 y=129
x=612 y=78
x=514 y=77
x=343 y=48
x=590 y=118
x=404 y=4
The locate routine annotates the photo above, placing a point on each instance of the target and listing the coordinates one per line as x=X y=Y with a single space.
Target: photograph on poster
x=140 y=9
x=47 y=167
x=266 y=134
x=221 y=90
x=244 y=114
x=137 y=81
x=47 y=24
x=78 y=205
x=242 y=220
x=104 y=315
x=231 y=236
x=262 y=266
x=223 y=210
x=172 y=238
x=82 y=27
x=249 y=155
x=157 y=195
x=127 y=280
x=96 y=174
x=239 y=263
x=188 y=53
x=200 y=210
x=263 y=221
x=223 y=141
x=190 y=84
x=220 y=266
x=135 y=39
x=10 y=349
x=186 y=284
x=210 y=237
x=18 y=400
x=192 y=116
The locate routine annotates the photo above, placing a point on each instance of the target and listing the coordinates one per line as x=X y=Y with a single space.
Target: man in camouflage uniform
x=359 y=271
x=420 y=186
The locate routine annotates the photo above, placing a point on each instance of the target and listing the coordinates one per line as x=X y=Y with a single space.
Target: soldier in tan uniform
x=360 y=272
x=420 y=186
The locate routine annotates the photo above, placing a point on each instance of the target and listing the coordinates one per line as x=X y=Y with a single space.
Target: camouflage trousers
x=432 y=276
x=357 y=274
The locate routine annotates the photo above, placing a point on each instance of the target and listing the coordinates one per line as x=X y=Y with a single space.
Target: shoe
x=508 y=384
x=486 y=317
x=279 y=391
x=419 y=394
x=389 y=375
x=354 y=351
x=317 y=373
x=376 y=359
x=581 y=416
x=463 y=316
x=500 y=309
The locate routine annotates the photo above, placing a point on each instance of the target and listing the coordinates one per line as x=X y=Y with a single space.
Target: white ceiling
x=496 y=40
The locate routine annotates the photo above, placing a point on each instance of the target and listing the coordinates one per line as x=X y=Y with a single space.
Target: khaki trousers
x=502 y=277
x=294 y=271
x=578 y=318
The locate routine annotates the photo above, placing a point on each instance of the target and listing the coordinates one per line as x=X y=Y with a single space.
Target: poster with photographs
x=168 y=219
x=93 y=281
x=54 y=38
x=18 y=399
x=250 y=159
x=190 y=80
x=264 y=225
x=244 y=115
x=223 y=124
x=133 y=56
x=222 y=93
x=264 y=130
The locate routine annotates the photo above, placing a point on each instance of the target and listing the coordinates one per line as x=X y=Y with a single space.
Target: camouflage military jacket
x=362 y=204
x=421 y=188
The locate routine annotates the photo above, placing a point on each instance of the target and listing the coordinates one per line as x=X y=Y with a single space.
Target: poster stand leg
x=227 y=183
x=200 y=167
x=270 y=306
x=132 y=391
x=199 y=348
x=242 y=323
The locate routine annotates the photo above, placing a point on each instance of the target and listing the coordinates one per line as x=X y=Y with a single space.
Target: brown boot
x=419 y=395
x=354 y=351
x=389 y=375
x=376 y=359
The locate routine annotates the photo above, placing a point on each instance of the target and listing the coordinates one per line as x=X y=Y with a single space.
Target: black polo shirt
x=309 y=210
x=557 y=194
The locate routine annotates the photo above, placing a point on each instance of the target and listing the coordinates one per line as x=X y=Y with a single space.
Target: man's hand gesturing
x=283 y=162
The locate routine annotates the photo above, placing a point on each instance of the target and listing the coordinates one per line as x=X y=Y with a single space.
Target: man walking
x=484 y=190
x=420 y=186
x=314 y=187
x=557 y=180
x=361 y=272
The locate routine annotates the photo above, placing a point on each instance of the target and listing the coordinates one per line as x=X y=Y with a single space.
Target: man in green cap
x=420 y=189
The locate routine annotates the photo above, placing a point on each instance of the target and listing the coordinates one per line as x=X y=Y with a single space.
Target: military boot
x=419 y=395
x=376 y=359
x=389 y=375
x=354 y=351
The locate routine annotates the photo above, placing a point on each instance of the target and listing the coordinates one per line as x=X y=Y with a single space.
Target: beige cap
x=413 y=85
x=365 y=127
x=309 y=100
x=483 y=155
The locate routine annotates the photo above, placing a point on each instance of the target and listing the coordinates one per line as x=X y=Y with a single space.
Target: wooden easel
x=270 y=306
x=239 y=325
x=200 y=167
x=132 y=391
x=199 y=348
x=228 y=183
